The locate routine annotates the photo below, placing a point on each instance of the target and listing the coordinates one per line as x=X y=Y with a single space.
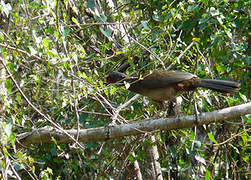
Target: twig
x=134 y=98
x=93 y=24
x=116 y=112
x=147 y=49
x=94 y=113
x=232 y=138
x=15 y=172
x=182 y=54
x=175 y=46
x=20 y=50
x=208 y=64
x=197 y=120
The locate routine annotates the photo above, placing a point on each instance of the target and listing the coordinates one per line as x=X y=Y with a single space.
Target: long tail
x=223 y=86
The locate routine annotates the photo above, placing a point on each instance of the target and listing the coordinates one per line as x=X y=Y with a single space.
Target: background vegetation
x=59 y=53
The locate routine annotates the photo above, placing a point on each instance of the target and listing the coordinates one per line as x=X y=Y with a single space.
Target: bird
x=163 y=85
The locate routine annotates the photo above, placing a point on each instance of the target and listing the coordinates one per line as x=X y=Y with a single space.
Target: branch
x=181 y=55
x=20 y=50
x=151 y=52
x=44 y=135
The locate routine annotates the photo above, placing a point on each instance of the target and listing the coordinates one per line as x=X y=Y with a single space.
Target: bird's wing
x=161 y=79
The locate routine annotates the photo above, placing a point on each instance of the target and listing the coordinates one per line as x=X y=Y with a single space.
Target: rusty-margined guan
x=165 y=85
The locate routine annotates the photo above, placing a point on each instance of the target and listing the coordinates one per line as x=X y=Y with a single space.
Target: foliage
x=59 y=52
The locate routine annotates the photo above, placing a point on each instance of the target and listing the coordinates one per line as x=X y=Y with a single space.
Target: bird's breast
x=159 y=94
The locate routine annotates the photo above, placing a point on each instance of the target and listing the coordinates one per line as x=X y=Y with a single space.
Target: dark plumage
x=165 y=85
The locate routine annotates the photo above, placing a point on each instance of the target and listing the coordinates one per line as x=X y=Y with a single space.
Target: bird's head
x=115 y=77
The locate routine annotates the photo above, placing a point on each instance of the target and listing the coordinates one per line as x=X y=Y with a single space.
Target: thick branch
x=44 y=135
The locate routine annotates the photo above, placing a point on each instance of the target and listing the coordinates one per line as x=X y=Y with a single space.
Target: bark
x=45 y=134
x=155 y=165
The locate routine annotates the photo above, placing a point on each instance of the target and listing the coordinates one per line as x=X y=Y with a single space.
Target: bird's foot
x=173 y=110
x=159 y=114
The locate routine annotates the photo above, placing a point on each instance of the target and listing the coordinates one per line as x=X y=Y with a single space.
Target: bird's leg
x=171 y=109
x=160 y=107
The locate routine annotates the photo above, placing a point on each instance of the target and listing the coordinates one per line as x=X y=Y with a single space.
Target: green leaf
x=211 y=137
x=83 y=118
x=75 y=21
x=200 y=159
x=8 y=129
x=8 y=85
x=32 y=50
x=208 y=175
x=49 y=170
x=173 y=151
x=249 y=119
x=19 y=97
x=53 y=52
x=67 y=66
x=46 y=42
x=219 y=19
x=36 y=77
x=92 y=157
x=106 y=92
x=13 y=140
x=229 y=33
x=144 y=23
x=214 y=12
x=192 y=8
x=246 y=158
x=244 y=138
x=53 y=151
x=1 y=37
x=119 y=52
x=101 y=84
x=106 y=32
x=67 y=31
x=112 y=90
x=131 y=158
x=243 y=97
x=6 y=8
x=196 y=39
x=90 y=4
